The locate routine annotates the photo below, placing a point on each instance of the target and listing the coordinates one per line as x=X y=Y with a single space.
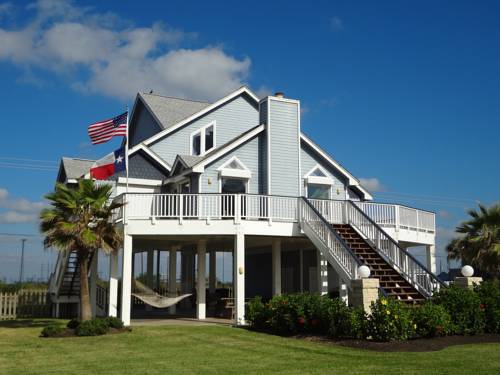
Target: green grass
x=214 y=350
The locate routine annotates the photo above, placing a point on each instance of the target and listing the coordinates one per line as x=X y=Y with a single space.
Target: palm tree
x=479 y=243
x=80 y=220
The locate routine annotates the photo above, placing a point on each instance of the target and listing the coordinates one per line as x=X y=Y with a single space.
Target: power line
x=30 y=160
x=27 y=166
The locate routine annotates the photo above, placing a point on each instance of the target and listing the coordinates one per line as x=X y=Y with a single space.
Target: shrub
x=286 y=316
x=73 y=323
x=431 y=320
x=342 y=320
x=52 y=330
x=464 y=308
x=114 y=322
x=489 y=296
x=389 y=321
x=93 y=327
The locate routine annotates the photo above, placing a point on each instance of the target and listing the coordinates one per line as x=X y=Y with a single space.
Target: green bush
x=73 y=323
x=464 y=308
x=114 y=322
x=52 y=330
x=389 y=320
x=286 y=316
x=257 y=314
x=342 y=320
x=93 y=327
x=431 y=320
x=489 y=296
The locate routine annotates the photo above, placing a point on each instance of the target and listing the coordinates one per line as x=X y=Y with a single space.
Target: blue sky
x=405 y=94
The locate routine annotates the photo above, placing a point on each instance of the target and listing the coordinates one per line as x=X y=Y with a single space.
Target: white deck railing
x=270 y=207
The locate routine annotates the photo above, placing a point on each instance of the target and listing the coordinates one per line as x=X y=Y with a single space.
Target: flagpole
x=126 y=154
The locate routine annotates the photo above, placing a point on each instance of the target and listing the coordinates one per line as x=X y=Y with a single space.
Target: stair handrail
x=351 y=269
x=56 y=277
x=409 y=271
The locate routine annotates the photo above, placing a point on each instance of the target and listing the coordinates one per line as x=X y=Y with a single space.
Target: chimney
x=279 y=94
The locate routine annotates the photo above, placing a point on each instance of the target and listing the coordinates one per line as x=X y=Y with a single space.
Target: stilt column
x=276 y=260
x=172 y=276
x=201 y=284
x=239 y=277
x=431 y=258
x=113 y=284
x=126 y=279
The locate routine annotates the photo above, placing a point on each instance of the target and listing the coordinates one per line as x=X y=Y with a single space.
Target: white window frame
x=201 y=131
x=235 y=173
x=325 y=185
x=246 y=181
x=318 y=180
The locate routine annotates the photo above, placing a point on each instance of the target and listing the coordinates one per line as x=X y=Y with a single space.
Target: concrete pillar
x=430 y=251
x=212 y=272
x=322 y=273
x=172 y=276
x=150 y=268
x=364 y=292
x=113 y=284
x=467 y=282
x=93 y=284
x=276 y=260
x=239 y=277
x=201 y=307
x=126 y=279
x=187 y=276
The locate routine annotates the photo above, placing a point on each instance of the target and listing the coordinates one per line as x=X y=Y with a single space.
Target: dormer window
x=203 y=140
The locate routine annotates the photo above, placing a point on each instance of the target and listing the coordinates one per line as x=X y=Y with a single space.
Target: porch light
x=467 y=271
x=363 y=272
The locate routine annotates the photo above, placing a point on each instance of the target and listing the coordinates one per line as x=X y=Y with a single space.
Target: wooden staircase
x=390 y=280
x=70 y=285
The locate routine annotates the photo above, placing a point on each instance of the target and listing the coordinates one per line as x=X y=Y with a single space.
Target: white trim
x=73 y=180
x=200 y=167
x=205 y=110
x=236 y=173
x=178 y=160
x=229 y=161
x=318 y=180
x=139 y=181
x=317 y=166
x=156 y=157
x=202 y=132
x=353 y=181
x=268 y=126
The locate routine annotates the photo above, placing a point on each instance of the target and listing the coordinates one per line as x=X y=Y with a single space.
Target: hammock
x=150 y=297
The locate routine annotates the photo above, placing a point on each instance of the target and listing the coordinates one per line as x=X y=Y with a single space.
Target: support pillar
x=430 y=251
x=172 y=276
x=126 y=279
x=322 y=273
x=93 y=284
x=201 y=308
x=468 y=282
x=364 y=292
x=212 y=272
x=150 y=268
x=343 y=292
x=276 y=260
x=113 y=284
x=239 y=277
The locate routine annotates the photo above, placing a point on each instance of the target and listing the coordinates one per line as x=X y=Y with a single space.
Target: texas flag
x=108 y=165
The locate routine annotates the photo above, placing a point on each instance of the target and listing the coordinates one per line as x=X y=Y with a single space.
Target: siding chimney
x=279 y=94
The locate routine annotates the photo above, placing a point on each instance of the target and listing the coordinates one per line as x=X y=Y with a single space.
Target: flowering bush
x=464 y=307
x=489 y=296
x=431 y=320
x=389 y=320
x=257 y=314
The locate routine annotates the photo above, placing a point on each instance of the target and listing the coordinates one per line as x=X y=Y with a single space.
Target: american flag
x=103 y=131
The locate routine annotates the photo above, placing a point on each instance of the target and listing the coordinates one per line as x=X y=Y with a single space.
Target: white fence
x=265 y=207
x=25 y=304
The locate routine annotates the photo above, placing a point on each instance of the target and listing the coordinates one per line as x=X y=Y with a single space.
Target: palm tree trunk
x=85 y=309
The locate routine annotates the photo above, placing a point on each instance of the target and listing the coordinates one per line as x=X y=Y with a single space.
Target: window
x=317 y=173
x=203 y=140
x=318 y=191
x=233 y=186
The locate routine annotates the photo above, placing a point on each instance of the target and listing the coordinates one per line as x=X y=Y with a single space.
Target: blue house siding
x=141 y=166
x=249 y=154
x=283 y=130
x=144 y=125
x=232 y=119
x=309 y=159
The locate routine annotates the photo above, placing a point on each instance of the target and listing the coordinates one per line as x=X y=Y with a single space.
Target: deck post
x=93 y=283
x=212 y=272
x=201 y=312
x=430 y=251
x=322 y=274
x=113 y=284
x=150 y=261
x=276 y=260
x=126 y=279
x=172 y=276
x=239 y=276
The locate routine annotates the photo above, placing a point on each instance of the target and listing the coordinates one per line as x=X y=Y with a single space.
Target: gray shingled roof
x=190 y=160
x=170 y=111
x=75 y=167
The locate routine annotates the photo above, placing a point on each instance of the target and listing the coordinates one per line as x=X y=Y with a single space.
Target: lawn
x=217 y=349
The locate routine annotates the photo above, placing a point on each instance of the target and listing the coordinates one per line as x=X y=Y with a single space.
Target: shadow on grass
x=27 y=323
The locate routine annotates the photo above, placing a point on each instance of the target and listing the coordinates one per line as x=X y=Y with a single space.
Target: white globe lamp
x=363 y=272
x=467 y=271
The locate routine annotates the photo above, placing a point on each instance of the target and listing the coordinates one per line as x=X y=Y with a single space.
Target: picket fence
x=25 y=304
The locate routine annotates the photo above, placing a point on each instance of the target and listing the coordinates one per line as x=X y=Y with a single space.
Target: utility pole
x=22 y=261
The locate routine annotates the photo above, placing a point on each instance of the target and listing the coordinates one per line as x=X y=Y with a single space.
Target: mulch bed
x=69 y=332
x=417 y=345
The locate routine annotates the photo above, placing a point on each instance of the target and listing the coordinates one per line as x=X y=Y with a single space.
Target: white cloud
x=18 y=210
x=372 y=184
x=336 y=24
x=118 y=61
